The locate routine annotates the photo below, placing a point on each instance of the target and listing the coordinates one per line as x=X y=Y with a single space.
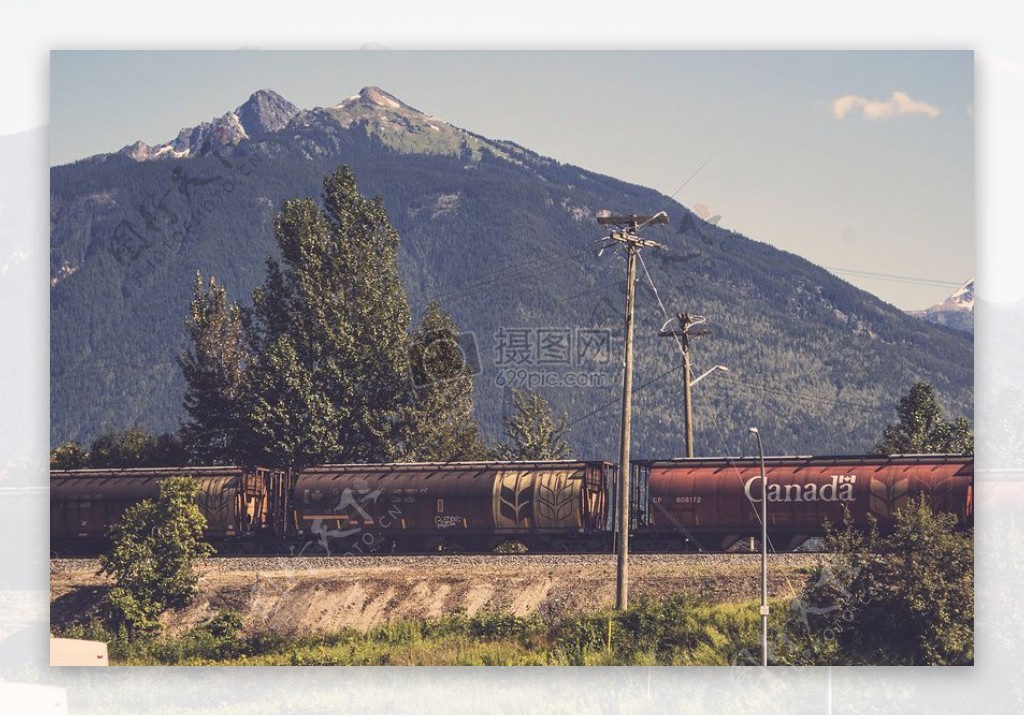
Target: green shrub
x=578 y=636
x=151 y=560
x=902 y=598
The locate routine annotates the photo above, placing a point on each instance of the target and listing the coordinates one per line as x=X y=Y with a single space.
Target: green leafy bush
x=902 y=598
x=152 y=558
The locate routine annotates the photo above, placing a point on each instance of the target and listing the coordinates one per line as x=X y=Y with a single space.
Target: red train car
x=713 y=503
x=471 y=505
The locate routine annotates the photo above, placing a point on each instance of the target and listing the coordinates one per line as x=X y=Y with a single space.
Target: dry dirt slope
x=305 y=595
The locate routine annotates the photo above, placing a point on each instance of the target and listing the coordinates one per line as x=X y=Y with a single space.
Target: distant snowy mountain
x=957 y=311
x=392 y=122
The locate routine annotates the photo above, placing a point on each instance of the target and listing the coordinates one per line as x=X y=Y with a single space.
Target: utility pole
x=764 y=549
x=625 y=232
x=689 y=326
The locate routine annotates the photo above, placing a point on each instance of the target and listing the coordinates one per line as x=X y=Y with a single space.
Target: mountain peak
x=960 y=300
x=379 y=97
x=964 y=297
x=375 y=98
x=956 y=311
x=265 y=111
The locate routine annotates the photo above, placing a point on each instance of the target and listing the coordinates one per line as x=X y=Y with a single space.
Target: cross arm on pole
x=633 y=221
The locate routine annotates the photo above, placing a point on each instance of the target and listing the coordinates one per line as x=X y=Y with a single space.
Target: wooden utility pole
x=764 y=549
x=626 y=233
x=689 y=326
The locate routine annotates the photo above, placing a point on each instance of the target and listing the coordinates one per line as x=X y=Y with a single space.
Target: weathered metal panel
x=86 y=503
x=481 y=498
x=723 y=496
x=512 y=500
x=559 y=504
x=393 y=497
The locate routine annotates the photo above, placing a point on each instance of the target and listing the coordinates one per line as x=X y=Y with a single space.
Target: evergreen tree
x=957 y=437
x=168 y=451
x=921 y=428
x=441 y=423
x=329 y=334
x=532 y=430
x=214 y=370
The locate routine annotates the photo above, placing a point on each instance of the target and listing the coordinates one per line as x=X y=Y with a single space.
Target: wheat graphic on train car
x=885 y=498
x=513 y=499
x=558 y=494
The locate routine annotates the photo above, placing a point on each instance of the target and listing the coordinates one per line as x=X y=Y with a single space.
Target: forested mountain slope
x=505 y=240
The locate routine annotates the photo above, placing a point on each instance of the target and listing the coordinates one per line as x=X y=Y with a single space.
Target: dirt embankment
x=306 y=595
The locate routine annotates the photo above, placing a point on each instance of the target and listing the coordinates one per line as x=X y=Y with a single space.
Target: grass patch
x=676 y=630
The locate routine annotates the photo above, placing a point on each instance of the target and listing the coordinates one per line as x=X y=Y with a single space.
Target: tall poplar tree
x=323 y=368
x=329 y=334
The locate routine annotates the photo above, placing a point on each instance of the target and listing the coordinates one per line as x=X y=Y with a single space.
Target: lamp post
x=764 y=550
x=690 y=326
x=706 y=373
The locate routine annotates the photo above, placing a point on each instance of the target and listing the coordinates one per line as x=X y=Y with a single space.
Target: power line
x=917 y=280
x=798 y=396
x=760 y=386
x=545 y=260
x=672 y=196
x=617 y=401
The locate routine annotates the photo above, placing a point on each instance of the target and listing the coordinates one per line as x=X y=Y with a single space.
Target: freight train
x=694 y=504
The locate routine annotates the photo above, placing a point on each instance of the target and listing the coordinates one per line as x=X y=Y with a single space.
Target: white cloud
x=899 y=104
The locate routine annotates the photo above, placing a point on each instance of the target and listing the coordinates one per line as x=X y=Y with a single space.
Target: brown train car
x=713 y=503
x=237 y=502
x=352 y=509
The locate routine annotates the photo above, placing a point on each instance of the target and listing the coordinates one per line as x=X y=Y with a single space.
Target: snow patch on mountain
x=957 y=311
x=65 y=270
x=960 y=300
x=963 y=299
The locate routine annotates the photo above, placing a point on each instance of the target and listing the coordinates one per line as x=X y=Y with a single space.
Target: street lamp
x=690 y=326
x=706 y=373
x=764 y=550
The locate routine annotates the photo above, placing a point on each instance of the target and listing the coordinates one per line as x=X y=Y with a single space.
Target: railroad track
x=412 y=562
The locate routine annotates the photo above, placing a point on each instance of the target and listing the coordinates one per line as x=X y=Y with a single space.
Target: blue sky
x=861 y=161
